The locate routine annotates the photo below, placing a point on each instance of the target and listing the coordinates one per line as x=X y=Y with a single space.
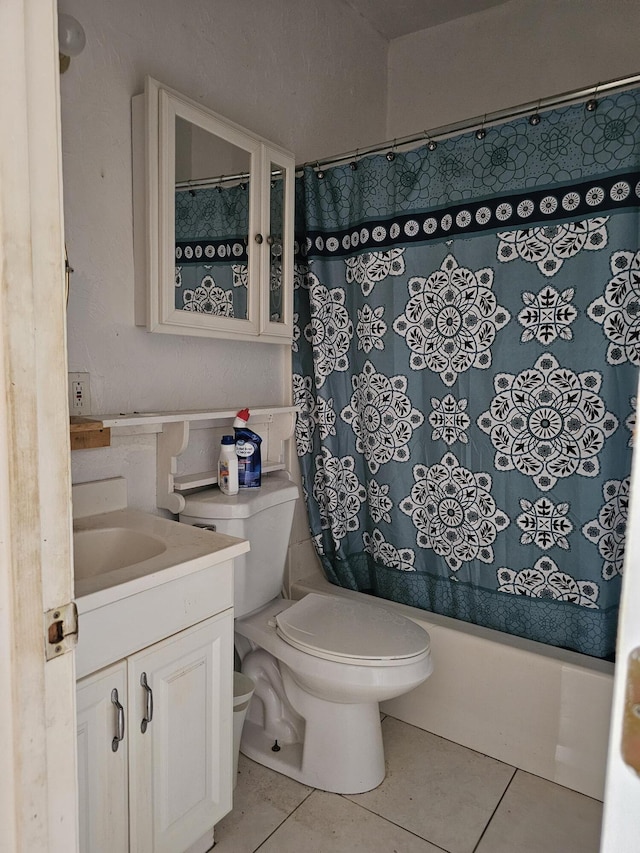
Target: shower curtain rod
x=480 y=122
x=205 y=183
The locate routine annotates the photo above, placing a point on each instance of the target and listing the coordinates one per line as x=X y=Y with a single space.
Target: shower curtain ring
x=354 y=162
x=535 y=118
x=481 y=132
x=391 y=154
x=592 y=103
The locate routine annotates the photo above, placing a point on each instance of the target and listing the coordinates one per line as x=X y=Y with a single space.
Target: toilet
x=320 y=665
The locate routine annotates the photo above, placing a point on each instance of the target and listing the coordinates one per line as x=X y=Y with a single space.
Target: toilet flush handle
x=211 y=527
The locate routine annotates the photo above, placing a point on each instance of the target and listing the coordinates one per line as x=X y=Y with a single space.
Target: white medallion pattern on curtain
x=453 y=512
x=307 y=418
x=330 y=330
x=618 y=309
x=370 y=268
x=381 y=416
x=449 y=420
x=380 y=504
x=546 y=580
x=371 y=328
x=402 y=559
x=607 y=531
x=547 y=315
x=240 y=275
x=208 y=298
x=630 y=422
x=339 y=494
x=549 y=246
x=548 y=422
x=544 y=524
x=451 y=320
x=312 y=412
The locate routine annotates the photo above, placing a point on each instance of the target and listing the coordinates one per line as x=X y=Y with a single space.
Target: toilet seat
x=352 y=632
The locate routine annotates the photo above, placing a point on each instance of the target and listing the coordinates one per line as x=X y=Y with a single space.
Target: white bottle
x=228 y=466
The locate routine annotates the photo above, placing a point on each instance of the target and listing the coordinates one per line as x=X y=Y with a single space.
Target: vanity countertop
x=187 y=550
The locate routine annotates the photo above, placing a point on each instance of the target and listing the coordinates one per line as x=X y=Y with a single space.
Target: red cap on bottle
x=243 y=415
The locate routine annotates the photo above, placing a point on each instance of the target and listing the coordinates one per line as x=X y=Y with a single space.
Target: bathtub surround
x=466 y=366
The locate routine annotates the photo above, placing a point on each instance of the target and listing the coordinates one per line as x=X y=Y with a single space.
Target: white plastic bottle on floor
x=228 y=466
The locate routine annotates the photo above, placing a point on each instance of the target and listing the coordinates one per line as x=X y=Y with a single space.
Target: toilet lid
x=350 y=631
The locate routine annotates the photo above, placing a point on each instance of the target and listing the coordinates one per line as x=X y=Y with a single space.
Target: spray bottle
x=248 y=452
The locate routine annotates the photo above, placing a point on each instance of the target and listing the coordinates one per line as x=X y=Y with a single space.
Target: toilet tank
x=263 y=516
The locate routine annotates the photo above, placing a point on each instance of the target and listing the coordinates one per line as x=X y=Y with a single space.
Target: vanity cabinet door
x=102 y=770
x=181 y=734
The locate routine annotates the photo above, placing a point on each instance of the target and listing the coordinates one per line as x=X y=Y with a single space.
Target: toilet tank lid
x=212 y=503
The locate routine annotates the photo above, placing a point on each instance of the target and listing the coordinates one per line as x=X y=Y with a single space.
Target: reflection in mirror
x=275 y=243
x=211 y=223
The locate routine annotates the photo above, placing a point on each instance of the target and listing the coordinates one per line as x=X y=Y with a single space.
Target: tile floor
x=437 y=796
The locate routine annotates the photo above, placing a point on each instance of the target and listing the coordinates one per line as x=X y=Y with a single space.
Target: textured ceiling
x=393 y=18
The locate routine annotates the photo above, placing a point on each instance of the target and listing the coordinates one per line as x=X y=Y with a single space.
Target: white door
x=621 y=829
x=37 y=710
x=180 y=760
x=103 y=797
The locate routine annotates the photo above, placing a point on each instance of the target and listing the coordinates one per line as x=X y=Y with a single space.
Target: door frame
x=38 y=810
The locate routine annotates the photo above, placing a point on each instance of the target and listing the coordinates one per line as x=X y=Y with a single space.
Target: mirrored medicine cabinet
x=213 y=223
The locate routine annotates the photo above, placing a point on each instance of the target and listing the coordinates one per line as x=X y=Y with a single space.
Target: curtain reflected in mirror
x=277 y=196
x=211 y=223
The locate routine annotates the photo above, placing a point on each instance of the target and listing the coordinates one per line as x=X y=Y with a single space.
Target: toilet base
x=342 y=750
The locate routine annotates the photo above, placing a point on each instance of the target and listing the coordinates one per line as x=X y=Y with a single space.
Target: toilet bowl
x=320 y=665
x=318 y=705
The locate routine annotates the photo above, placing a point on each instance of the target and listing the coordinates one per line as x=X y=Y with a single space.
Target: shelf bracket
x=172 y=442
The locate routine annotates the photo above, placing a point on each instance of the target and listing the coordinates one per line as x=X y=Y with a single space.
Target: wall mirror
x=213 y=222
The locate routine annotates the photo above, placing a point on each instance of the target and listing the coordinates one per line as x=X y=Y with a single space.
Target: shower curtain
x=465 y=361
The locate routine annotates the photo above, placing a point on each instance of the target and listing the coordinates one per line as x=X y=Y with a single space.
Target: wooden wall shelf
x=87 y=433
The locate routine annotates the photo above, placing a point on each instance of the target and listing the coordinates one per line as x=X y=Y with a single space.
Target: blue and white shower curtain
x=465 y=359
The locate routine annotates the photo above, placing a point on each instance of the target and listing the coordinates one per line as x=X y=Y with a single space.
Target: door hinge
x=631 y=714
x=60 y=630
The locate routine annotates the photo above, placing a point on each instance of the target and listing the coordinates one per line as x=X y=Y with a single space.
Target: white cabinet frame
x=154 y=123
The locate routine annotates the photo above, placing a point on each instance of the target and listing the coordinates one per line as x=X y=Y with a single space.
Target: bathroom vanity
x=155 y=667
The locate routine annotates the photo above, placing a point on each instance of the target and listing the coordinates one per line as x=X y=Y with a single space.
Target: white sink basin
x=140 y=578
x=123 y=552
x=109 y=548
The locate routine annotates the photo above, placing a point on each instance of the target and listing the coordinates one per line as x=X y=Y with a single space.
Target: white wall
x=511 y=54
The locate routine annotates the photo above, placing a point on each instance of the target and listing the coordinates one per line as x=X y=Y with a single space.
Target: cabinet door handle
x=115 y=743
x=148 y=713
x=259 y=238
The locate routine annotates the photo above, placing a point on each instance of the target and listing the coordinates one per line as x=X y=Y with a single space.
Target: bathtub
x=541 y=709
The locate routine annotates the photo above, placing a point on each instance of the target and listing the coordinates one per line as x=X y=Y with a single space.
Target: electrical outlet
x=79 y=394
